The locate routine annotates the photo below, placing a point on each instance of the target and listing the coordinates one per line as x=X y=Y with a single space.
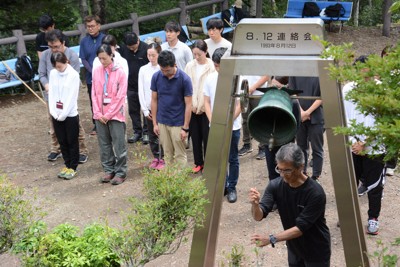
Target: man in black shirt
x=135 y=53
x=301 y=204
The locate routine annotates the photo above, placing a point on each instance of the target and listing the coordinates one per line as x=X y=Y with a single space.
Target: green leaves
x=376 y=93
x=173 y=205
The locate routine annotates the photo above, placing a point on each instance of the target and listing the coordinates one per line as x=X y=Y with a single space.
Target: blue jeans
x=233 y=173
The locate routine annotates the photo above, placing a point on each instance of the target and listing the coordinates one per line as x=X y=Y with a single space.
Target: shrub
x=64 y=247
x=173 y=205
x=16 y=214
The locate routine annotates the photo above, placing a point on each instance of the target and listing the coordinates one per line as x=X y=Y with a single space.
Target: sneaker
x=54 y=156
x=362 y=189
x=154 y=163
x=145 y=139
x=61 y=174
x=389 y=172
x=373 y=227
x=135 y=138
x=161 y=165
x=261 y=154
x=69 y=174
x=82 y=158
x=117 y=180
x=245 y=150
x=232 y=196
x=197 y=168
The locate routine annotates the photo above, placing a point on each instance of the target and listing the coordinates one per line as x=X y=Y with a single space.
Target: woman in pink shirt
x=108 y=95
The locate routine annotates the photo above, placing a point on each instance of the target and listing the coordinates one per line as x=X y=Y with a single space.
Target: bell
x=272 y=121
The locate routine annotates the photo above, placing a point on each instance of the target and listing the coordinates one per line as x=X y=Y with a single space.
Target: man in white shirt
x=215 y=27
x=181 y=51
x=209 y=90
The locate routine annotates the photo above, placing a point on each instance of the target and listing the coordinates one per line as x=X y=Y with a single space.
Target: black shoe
x=82 y=158
x=135 y=138
x=245 y=150
x=232 y=196
x=261 y=154
x=145 y=139
x=362 y=189
x=54 y=156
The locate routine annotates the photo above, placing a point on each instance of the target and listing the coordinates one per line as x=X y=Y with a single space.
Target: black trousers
x=313 y=134
x=198 y=129
x=371 y=172
x=135 y=114
x=67 y=133
x=155 y=146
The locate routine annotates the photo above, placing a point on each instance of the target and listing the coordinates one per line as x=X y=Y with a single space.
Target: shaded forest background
x=24 y=14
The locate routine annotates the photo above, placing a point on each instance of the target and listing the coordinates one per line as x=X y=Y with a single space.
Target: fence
x=19 y=39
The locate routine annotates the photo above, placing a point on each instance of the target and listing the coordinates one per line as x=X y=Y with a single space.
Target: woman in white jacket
x=64 y=85
x=145 y=74
x=198 y=69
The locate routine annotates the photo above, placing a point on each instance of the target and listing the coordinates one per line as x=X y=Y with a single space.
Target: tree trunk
x=356 y=12
x=386 y=18
x=83 y=9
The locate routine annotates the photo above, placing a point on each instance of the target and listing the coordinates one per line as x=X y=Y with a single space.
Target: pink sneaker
x=153 y=164
x=161 y=165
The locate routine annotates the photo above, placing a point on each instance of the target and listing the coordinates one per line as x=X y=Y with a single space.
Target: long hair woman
x=198 y=69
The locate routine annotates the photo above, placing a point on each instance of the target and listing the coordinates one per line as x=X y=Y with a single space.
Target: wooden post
x=135 y=23
x=259 y=4
x=82 y=29
x=183 y=14
x=21 y=48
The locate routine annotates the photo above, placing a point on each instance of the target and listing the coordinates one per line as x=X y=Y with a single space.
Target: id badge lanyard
x=105 y=83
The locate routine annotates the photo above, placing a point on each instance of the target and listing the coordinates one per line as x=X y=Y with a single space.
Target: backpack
x=335 y=11
x=232 y=16
x=183 y=36
x=227 y=18
x=24 y=69
x=310 y=9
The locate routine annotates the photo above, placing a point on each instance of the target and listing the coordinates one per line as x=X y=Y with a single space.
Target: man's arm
x=258 y=84
x=207 y=107
x=256 y=211
x=188 y=114
x=43 y=77
x=311 y=109
x=263 y=240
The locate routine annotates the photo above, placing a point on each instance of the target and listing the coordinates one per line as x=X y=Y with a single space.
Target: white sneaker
x=389 y=172
x=373 y=227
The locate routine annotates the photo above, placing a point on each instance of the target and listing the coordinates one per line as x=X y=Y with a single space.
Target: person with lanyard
x=64 y=83
x=87 y=52
x=108 y=94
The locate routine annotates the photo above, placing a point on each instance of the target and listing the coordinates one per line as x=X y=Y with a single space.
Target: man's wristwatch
x=272 y=240
x=186 y=130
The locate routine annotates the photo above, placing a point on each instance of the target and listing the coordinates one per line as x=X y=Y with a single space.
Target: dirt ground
x=25 y=145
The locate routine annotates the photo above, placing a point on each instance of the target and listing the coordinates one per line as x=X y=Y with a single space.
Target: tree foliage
x=381 y=100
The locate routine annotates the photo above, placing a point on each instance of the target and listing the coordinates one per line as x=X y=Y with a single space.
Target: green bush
x=174 y=204
x=64 y=247
x=16 y=214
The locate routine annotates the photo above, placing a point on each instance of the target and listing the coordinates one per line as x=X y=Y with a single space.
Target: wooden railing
x=19 y=39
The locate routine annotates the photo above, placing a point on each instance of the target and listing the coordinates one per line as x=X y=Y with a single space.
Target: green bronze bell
x=272 y=121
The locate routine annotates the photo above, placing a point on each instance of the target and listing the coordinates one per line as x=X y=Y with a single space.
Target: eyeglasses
x=284 y=172
x=91 y=26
